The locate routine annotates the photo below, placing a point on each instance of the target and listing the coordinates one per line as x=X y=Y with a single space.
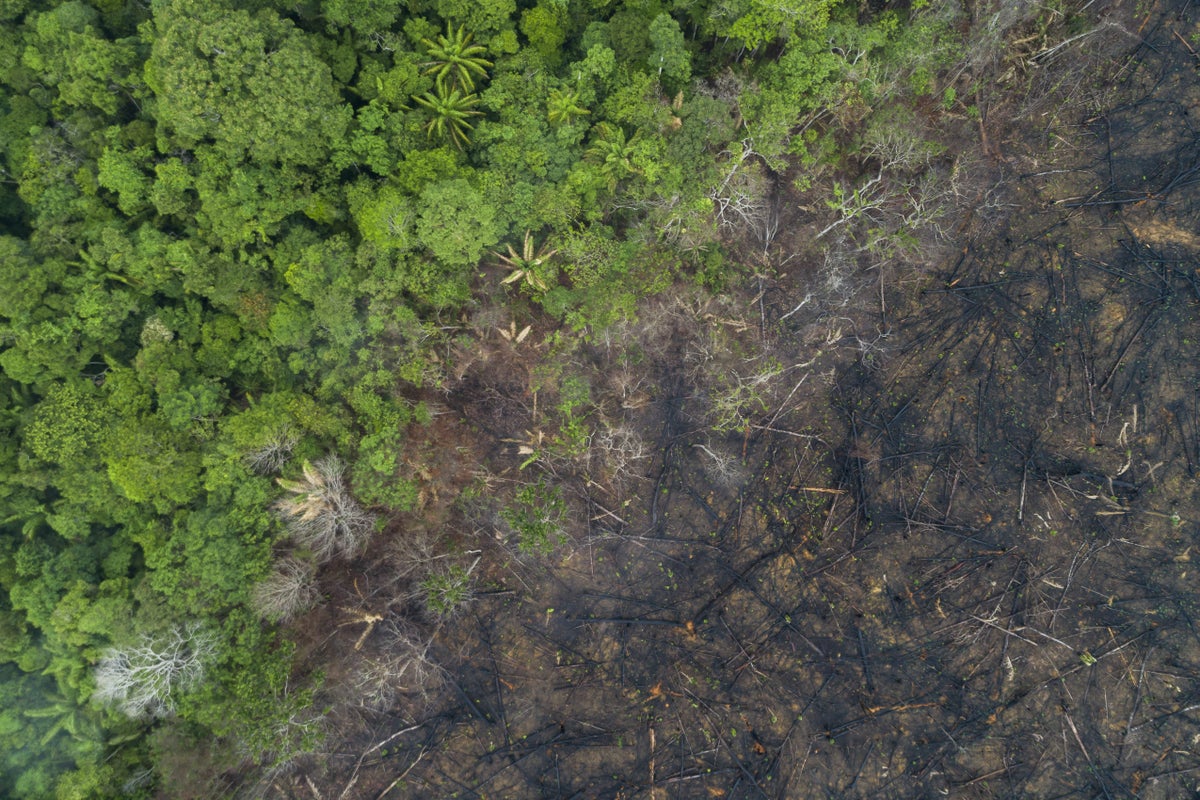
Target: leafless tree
x=895 y=143
x=288 y=591
x=991 y=28
x=404 y=667
x=838 y=279
x=722 y=468
x=321 y=514
x=869 y=201
x=681 y=222
x=623 y=453
x=272 y=454
x=144 y=680
x=737 y=395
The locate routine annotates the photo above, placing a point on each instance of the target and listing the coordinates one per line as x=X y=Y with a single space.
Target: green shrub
x=537 y=514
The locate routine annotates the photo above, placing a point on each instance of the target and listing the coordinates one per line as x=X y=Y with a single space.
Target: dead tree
x=321 y=514
x=144 y=680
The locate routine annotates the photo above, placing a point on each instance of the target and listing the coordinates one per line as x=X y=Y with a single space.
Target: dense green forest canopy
x=236 y=240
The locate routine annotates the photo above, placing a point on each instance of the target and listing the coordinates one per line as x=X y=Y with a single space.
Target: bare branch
x=288 y=591
x=144 y=680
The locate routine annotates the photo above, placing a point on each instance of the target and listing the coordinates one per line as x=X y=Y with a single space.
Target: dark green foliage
x=277 y=100
x=457 y=223
x=669 y=55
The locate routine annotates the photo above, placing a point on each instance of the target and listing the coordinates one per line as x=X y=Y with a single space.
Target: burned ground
x=946 y=549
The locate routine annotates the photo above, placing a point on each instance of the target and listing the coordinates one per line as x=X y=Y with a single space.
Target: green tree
x=49 y=37
x=251 y=85
x=66 y=424
x=545 y=26
x=58 y=185
x=536 y=515
x=149 y=463
x=758 y=22
x=241 y=204
x=372 y=140
x=385 y=216
x=481 y=16
x=669 y=56
x=804 y=82
x=456 y=223
x=121 y=171
x=88 y=70
x=365 y=17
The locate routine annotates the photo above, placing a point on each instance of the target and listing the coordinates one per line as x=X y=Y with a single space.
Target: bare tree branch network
x=144 y=680
x=288 y=591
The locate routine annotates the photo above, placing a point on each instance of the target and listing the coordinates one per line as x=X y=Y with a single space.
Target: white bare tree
x=622 y=452
x=321 y=514
x=288 y=591
x=722 y=468
x=145 y=679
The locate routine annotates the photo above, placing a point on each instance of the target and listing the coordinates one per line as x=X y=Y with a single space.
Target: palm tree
x=68 y=717
x=29 y=512
x=611 y=150
x=563 y=107
x=453 y=55
x=525 y=263
x=451 y=109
